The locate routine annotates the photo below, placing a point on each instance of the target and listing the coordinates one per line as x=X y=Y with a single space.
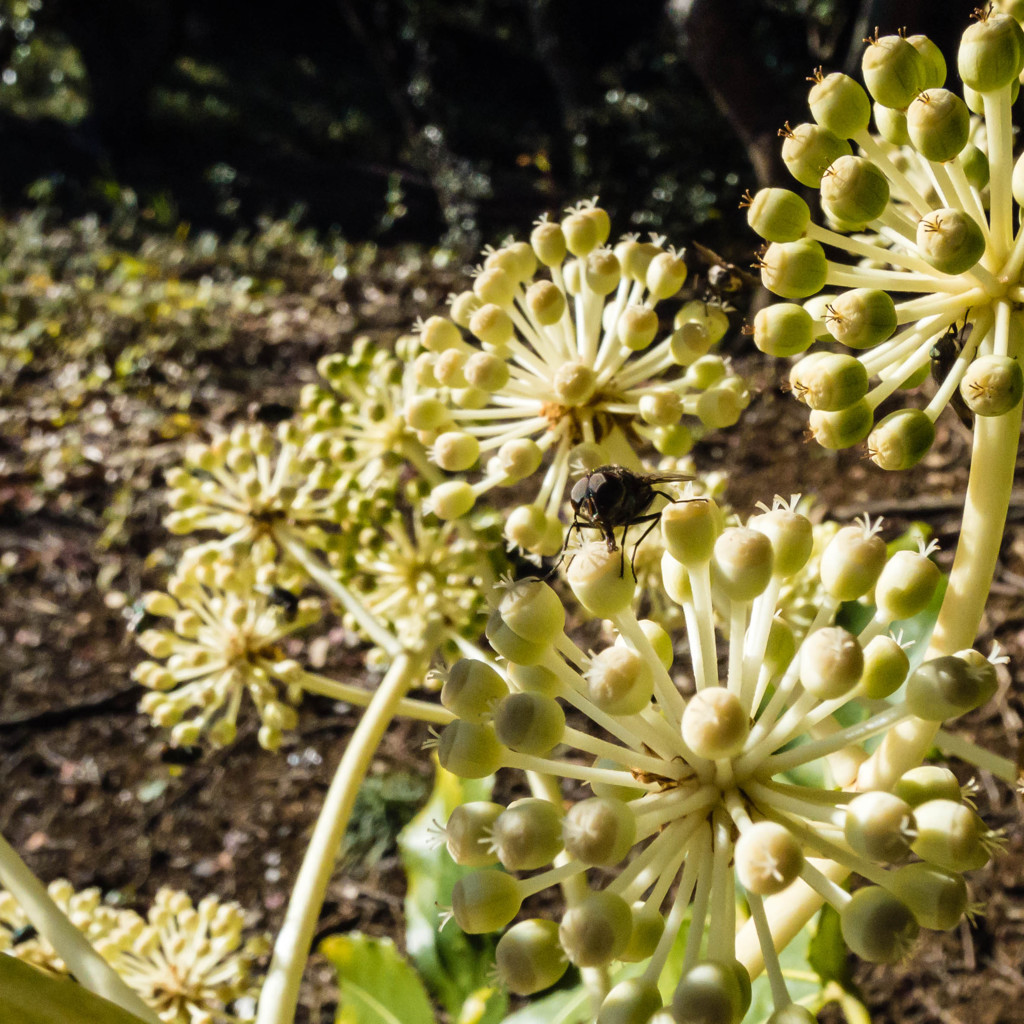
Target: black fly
x=721 y=277
x=613 y=496
x=943 y=355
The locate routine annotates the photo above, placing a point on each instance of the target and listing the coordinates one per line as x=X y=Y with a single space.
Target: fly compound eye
x=607 y=492
x=579 y=492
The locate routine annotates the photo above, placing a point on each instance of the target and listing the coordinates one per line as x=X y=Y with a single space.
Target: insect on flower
x=613 y=496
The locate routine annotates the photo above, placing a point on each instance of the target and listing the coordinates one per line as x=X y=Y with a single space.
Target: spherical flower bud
x=452 y=499
x=423 y=371
x=778 y=215
x=794 y=1013
x=877 y=926
x=492 y=325
x=439 y=334
x=742 y=563
x=581 y=234
x=595 y=930
x=948 y=686
x=768 y=858
x=528 y=834
x=661 y=407
x=791 y=535
x=574 y=383
x=991 y=52
x=510 y=645
x=893 y=71
x=861 y=318
x=472 y=690
x=546 y=302
x=633 y=1001
x=455 y=451
x=665 y=275
x=934 y=67
x=906 y=586
x=892 y=125
x=840 y=104
x=469 y=750
x=519 y=459
x=447 y=368
x=608 y=789
x=706 y=372
x=854 y=190
x=843 y=428
x=975 y=164
x=720 y=407
x=783 y=329
x=950 y=835
x=553 y=539
x=781 y=647
x=534 y=611
x=992 y=385
x=534 y=679
x=529 y=723
x=901 y=439
x=927 y=782
x=675 y=441
x=599 y=831
x=794 y=270
x=486 y=371
x=425 y=413
x=659 y=640
x=485 y=901
x=831 y=663
x=829 y=381
x=620 y=681
x=468 y=398
x=950 y=241
x=601 y=271
x=851 y=563
x=529 y=957
x=495 y=287
x=879 y=826
x=648 y=927
x=715 y=724
x=938 y=123
x=548 y=241
x=598 y=580
x=637 y=327
x=885 y=668
x=936 y=897
x=467 y=831
x=808 y=149
x=712 y=318
x=690 y=529
x=525 y=526
x=710 y=993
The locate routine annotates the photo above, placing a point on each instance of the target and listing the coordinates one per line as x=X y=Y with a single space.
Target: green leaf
x=32 y=997
x=827 y=953
x=454 y=965
x=564 y=1006
x=377 y=985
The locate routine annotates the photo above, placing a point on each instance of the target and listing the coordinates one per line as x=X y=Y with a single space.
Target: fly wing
x=665 y=478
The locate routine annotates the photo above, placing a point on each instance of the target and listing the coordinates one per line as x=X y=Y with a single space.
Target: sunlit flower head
x=223 y=647
x=926 y=200
x=567 y=360
x=708 y=773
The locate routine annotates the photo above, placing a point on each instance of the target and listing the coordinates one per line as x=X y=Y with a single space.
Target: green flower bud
x=906 y=586
x=893 y=71
x=938 y=122
x=596 y=930
x=808 y=149
x=879 y=826
x=425 y=413
x=975 y=164
x=529 y=723
x=885 y=668
x=768 y=858
x=706 y=372
x=851 y=563
x=620 y=681
x=710 y=993
x=936 y=897
x=534 y=679
x=574 y=384
x=877 y=926
x=783 y=329
x=469 y=750
x=840 y=104
x=950 y=835
x=472 y=690
x=675 y=578
x=711 y=317
x=665 y=275
x=715 y=724
x=781 y=647
x=599 y=831
x=439 y=334
x=467 y=833
x=742 y=563
x=901 y=439
x=633 y=1001
x=934 y=68
x=950 y=241
x=854 y=190
x=794 y=1013
x=720 y=407
x=948 y=686
x=597 y=579
x=495 y=287
x=794 y=270
x=1017 y=180
x=548 y=241
x=648 y=927
x=992 y=385
x=528 y=834
x=689 y=342
x=927 y=782
x=635 y=257
x=831 y=663
x=861 y=318
x=518 y=459
x=546 y=301
x=778 y=215
x=529 y=957
x=525 y=526
x=991 y=52
x=892 y=125
x=829 y=381
x=509 y=644
x=791 y=536
x=485 y=901
x=581 y=234
x=456 y=451
x=601 y=271
x=661 y=407
x=844 y=428
x=675 y=441
x=448 y=368
x=533 y=611
x=637 y=327
x=452 y=499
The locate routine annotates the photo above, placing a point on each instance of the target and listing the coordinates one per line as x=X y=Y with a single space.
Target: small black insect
x=613 y=496
x=181 y=756
x=25 y=933
x=281 y=598
x=721 y=277
x=943 y=355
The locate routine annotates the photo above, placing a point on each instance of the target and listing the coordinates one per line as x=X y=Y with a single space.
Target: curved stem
x=280 y=992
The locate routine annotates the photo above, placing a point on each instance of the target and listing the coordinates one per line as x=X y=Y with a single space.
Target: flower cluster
x=190 y=963
x=702 y=780
x=925 y=203
x=565 y=365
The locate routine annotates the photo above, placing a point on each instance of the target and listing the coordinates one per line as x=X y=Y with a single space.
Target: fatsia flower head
x=222 y=647
x=190 y=963
x=558 y=354
x=706 y=775
x=918 y=185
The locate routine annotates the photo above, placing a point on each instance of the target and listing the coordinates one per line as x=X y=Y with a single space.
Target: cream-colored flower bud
x=829 y=381
x=596 y=930
x=934 y=67
x=439 y=334
x=452 y=499
x=456 y=451
x=599 y=831
x=659 y=640
x=548 y=241
x=546 y=302
x=906 y=586
x=469 y=750
x=936 y=897
x=778 y=215
x=885 y=668
x=518 y=459
x=463 y=306
x=840 y=104
x=581 y=234
x=448 y=368
x=791 y=535
x=783 y=329
x=706 y=372
x=485 y=901
x=709 y=316
x=843 y=428
x=633 y=1001
x=794 y=270
x=637 y=327
x=742 y=563
x=597 y=579
x=574 y=384
x=601 y=271
x=665 y=275
x=892 y=125
x=423 y=372
x=851 y=563
x=690 y=529
x=768 y=858
x=529 y=723
x=533 y=611
x=808 y=149
x=831 y=663
x=554 y=535
x=901 y=439
x=991 y=52
x=469 y=398
x=661 y=407
x=525 y=526
x=156 y=603
x=861 y=318
x=715 y=724
x=877 y=926
x=928 y=782
x=854 y=190
x=950 y=241
x=879 y=826
x=635 y=257
x=720 y=407
x=495 y=286
x=467 y=830
x=893 y=71
x=620 y=681
x=529 y=957
x=992 y=385
x=938 y=122
x=950 y=835
x=486 y=371
x=472 y=690
x=492 y=325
